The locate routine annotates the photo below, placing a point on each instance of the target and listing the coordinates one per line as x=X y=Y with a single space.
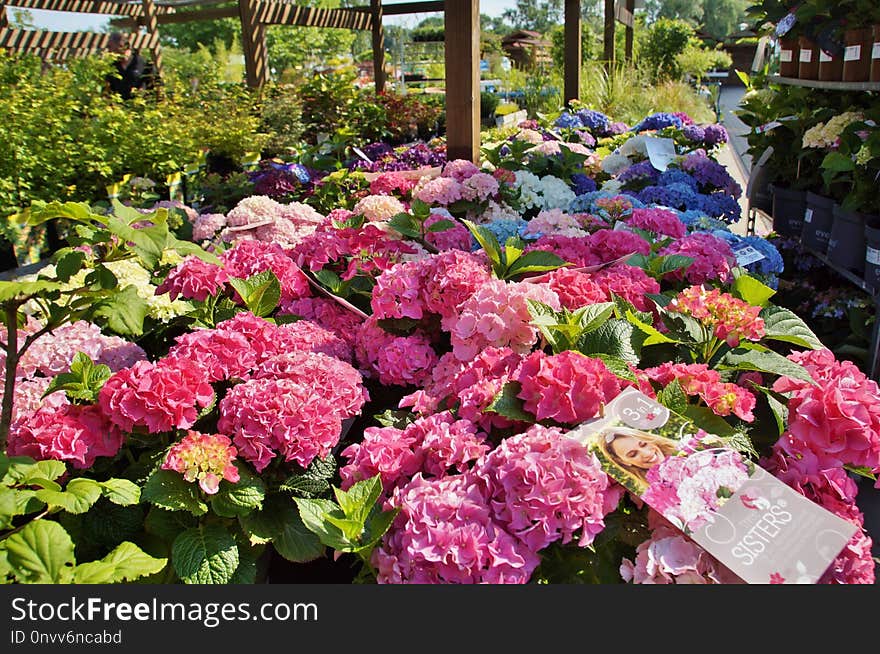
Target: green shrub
x=667 y=38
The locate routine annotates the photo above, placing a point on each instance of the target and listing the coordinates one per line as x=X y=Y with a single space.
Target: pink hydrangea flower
x=451 y=279
x=460 y=169
x=28 y=397
x=207 y=225
x=339 y=381
x=53 y=352
x=206 y=458
x=159 y=396
x=306 y=336
x=568 y=387
x=479 y=187
x=253 y=210
x=117 y=353
x=837 y=421
x=440 y=190
x=670 y=557
x=730 y=318
x=554 y=221
x=193 y=279
x=713 y=258
x=445 y=534
x=544 y=487
x=327 y=314
x=497 y=314
x=280 y=417
x=72 y=433
x=628 y=282
x=456 y=237
x=396 y=360
x=659 y=221
x=575 y=288
x=248 y=258
x=724 y=398
x=398 y=291
x=609 y=245
x=391 y=183
x=222 y=353
x=378 y=208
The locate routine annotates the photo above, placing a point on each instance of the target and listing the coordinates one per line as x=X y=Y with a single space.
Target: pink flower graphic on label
x=777 y=578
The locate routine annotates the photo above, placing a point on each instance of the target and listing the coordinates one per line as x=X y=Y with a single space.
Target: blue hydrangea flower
x=502 y=229
x=721 y=206
x=595 y=121
x=676 y=176
x=658 y=121
x=582 y=184
x=567 y=121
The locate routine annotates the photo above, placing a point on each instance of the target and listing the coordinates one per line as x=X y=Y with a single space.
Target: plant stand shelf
x=831 y=86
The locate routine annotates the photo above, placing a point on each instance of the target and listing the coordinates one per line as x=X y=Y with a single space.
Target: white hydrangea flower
x=556 y=194
x=614 y=163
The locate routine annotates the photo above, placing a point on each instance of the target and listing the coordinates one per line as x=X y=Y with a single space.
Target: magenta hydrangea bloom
x=71 y=433
x=544 y=487
x=280 y=417
x=670 y=557
x=724 y=398
x=248 y=258
x=456 y=237
x=573 y=249
x=392 y=183
x=306 y=336
x=445 y=534
x=568 y=387
x=609 y=245
x=158 y=397
x=222 y=353
x=28 y=397
x=206 y=458
x=497 y=315
x=628 y=282
x=712 y=258
x=575 y=288
x=398 y=291
x=451 y=279
x=193 y=279
x=395 y=360
x=337 y=380
x=326 y=313
x=441 y=191
x=837 y=421
x=659 y=221
x=460 y=169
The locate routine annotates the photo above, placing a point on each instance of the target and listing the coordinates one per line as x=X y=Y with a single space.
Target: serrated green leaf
x=685 y=328
x=507 y=404
x=489 y=243
x=121 y=491
x=22 y=471
x=314 y=515
x=593 y=316
x=351 y=529
x=260 y=292
x=399 y=419
x=358 y=501
x=103 y=277
x=147 y=242
x=654 y=336
x=123 y=312
x=248 y=555
x=125 y=563
x=670 y=263
x=704 y=418
x=614 y=338
x=207 y=554
x=376 y=527
x=78 y=497
x=441 y=226
x=673 y=397
x=69 y=264
x=314 y=480
x=109 y=524
x=240 y=498
x=23 y=291
x=618 y=366
x=659 y=299
x=420 y=208
x=406 y=225
x=534 y=261
x=838 y=163
x=168 y=489
x=279 y=523
x=41 y=553
x=771 y=362
x=330 y=279
x=41 y=212
x=748 y=289
x=168 y=524
x=783 y=325
x=7 y=507
x=187 y=248
x=777 y=406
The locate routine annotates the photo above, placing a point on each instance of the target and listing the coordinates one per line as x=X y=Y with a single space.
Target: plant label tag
x=872 y=256
x=621 y=226
x=762 y=530
x=661 y=152
x=806 y=56
x=360 y=153
x=852 y=53
x=808 y=216
x=766 y=127
x=824 y=57
x=746 y=255
x=875 y=51
x=785 y=56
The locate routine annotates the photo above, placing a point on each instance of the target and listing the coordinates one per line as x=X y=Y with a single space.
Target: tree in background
x=535 y=15
x=717 y=18
x=667 y=38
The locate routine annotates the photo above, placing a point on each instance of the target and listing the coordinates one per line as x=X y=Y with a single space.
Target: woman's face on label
x=637 y=451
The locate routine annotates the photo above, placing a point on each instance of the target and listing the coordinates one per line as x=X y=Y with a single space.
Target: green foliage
x=207 y=554
x=260 y=292
x=667 y=38
x=510 y=261
x=83 y=381
x=565 y=330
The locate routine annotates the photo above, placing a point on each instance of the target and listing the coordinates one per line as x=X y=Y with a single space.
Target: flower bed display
x=390 y=385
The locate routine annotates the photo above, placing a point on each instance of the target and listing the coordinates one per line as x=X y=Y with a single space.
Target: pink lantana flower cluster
x=567 y=388
x=205 y=458
x=497 y=315
x=697 y=379
x=729 y=318
x=712 y=258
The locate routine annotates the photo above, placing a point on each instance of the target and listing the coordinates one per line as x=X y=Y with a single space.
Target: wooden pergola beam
x=463 y=79
x=378 y=32
x=402 y=8
x=628 y=47
x=282 y=13
x=253 y=42
x=19 y=40
x=609 y=32
x=151 y=21
x=572 y=63
x=89 y=6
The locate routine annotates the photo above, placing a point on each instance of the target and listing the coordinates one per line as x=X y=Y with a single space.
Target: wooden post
x=630 y=7
x=463 y=79
x=152 y=22
x=4 y=19
x=572 y=68
x=378 y=45
x=253 y=42
x=609 y=33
